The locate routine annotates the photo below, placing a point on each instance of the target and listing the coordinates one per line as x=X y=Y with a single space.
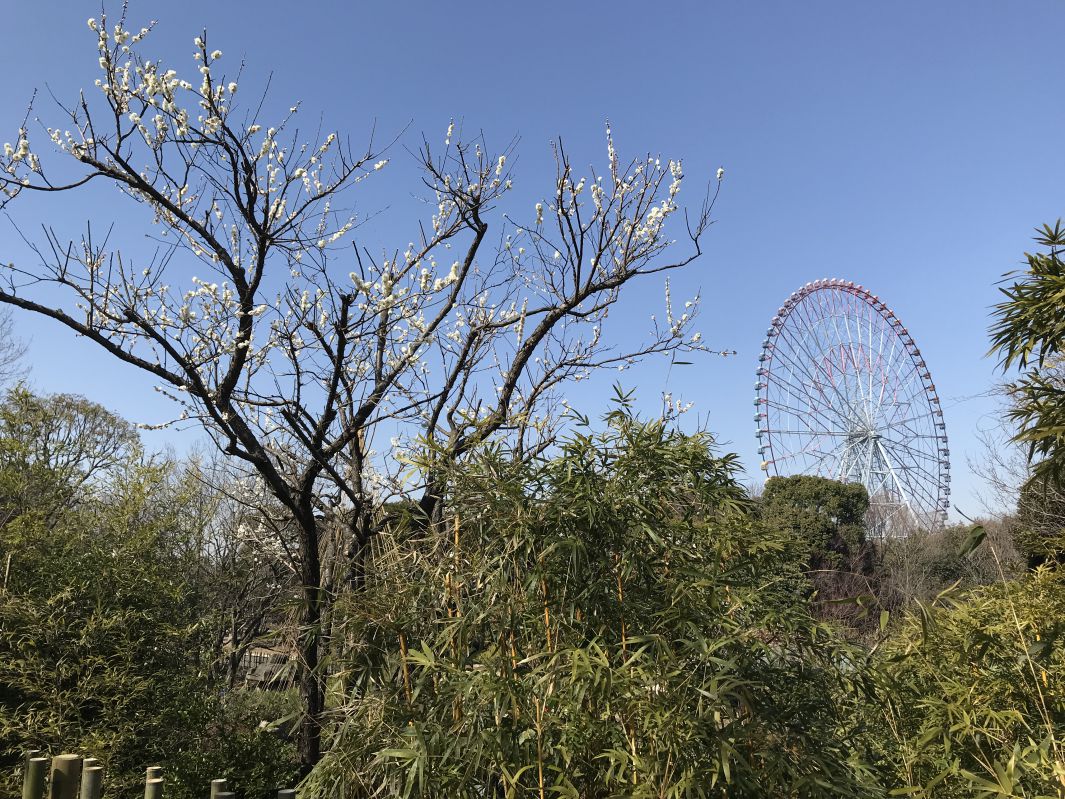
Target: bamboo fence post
x=226 y=795
x=89 y=762
x=91 y=781
x=286 y=793
x=66 y=777
x=218 y=787
x=153 y=788
x=33 y=777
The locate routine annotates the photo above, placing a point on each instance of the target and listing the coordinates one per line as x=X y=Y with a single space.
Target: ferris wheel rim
x=839 y=396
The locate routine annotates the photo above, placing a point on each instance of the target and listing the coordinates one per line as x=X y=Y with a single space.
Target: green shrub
x=973 y=693
x=609 y=622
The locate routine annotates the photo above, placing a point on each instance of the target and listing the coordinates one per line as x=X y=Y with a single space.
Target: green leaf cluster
x=972 y=693
x=1029 y=333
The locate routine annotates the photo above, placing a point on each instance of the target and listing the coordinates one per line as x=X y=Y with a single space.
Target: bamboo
x=89 y=762
x=456 y=711
x=66 y=777
x=547 y=615
x=621 y=601
x=153 y=772
x=514 y=672
x=218 y=787
x=539 y=744
x=632 y=747
x=92 y=778
x=286 y=793
x=455 y=565
x=153 y=788
x=406 y=669
x=33 y=777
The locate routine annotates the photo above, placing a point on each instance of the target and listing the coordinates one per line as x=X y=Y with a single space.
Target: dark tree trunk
x=311 y=678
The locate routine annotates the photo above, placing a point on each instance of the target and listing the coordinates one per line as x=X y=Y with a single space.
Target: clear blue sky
x=907 y=146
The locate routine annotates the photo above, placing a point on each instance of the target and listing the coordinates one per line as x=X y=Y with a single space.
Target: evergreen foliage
x=972 y=693
x=1029 y=333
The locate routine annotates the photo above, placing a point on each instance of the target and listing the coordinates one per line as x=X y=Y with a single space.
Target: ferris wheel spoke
x=832 y=345
x=918 y=487
x=904 y=490
x=795 y=370
x=914 y=451
x=855 y=360
x=817 y=403
x=828 y=384
x=808 y=416
x=887 y=366
x=836 y=303
x=914 y=394
x=818 y=456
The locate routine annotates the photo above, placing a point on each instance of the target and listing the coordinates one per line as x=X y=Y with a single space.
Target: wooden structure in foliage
x=71 y=776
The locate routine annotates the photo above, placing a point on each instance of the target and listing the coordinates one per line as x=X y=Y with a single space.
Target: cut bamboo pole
x=92 y=778
x=153 y=788
x=66 y=777
x=33 y=777
x=286 y=793
x=218 y=787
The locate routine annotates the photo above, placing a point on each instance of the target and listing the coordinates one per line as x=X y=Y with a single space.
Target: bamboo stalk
x=66 y=777
x=286 y=793
x=632 y=747
x=447 y=595
x=629 y=732
x=514 y=672
x=33 y=777
x=547 y=615
x=455 y=570
x=406 y=669
x=153 y=788
x=92 y=778
x=621 y=600
x=539 y=744
x=218 y=787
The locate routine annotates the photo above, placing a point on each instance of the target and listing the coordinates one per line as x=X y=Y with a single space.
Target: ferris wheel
x=844 y=393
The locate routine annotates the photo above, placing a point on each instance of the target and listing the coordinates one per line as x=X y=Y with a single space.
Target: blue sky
x=909 y=146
